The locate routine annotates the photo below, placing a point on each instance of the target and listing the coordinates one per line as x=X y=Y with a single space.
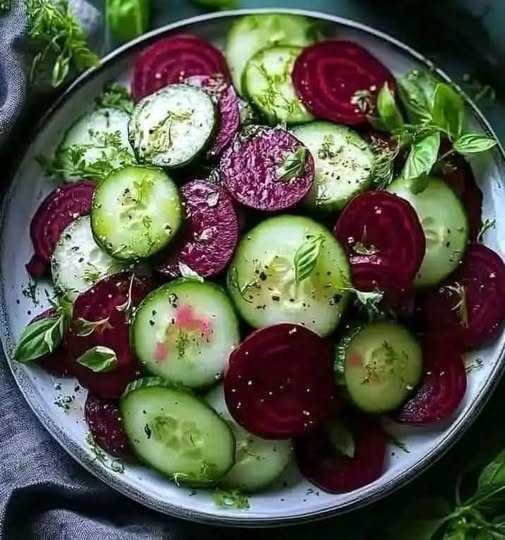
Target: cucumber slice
x=262 y=276
x=185 y=331
x=250 y=34
x=176 y=433
x=78 y=262
x=268 y=84
x=258 y=462
x=343 y=164
x=173 y=126
x=445 y=226
x=100 y=136
x=136 y=212
x=383 y=363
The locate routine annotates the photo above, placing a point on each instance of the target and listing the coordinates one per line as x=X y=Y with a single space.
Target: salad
x=258 y=254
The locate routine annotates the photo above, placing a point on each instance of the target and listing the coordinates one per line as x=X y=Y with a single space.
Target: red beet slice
x=102 y=417
x=280 y=383
x=332 y=471
x=339 y=81
x=170 y=60
x=109 y=301
x=211 y=232
x=253 y=169
x=55 y=213
x=443 y=386
x=227 y=102
x=469 y=306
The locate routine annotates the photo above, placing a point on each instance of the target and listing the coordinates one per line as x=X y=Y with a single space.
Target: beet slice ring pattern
x=469 y=307
x=227 y=103
x=102 y=417
x=253 y=166
x=171 y=60
x=280 y=382
x=334 y=472
x=56 y=212
x=108 y=303
x=211 y=232
x=339 y=81
x=443 y=387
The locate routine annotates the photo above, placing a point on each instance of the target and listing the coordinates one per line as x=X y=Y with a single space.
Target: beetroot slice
x=54 y=214
x=253 y=169
x=332 y=471
x=442 y=388
x=210 y=234
x=102 y=417
x=107 y=301
x=280 y=382
x=339 y=81
x=170 y=60
x=469 y=307
x=227 y=103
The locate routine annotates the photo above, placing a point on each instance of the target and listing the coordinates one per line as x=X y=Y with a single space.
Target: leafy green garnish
x=306 y=257
x=188 y=273
x=86 y=328
x=422 y=156
x=216 y=5
x=230 y=498
x=473 y=143
x=127 y=19
x=53 y=28
x=116 y=96
x=389 y=113
x=293 y=165
x=369 y=301
x=485 y=226
x=234 y=281
x=99 y=359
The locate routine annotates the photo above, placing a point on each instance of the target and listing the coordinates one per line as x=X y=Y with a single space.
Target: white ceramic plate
x=292 y=499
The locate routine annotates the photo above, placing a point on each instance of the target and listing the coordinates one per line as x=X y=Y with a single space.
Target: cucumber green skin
x=273 y=243
x=178 y=371
x=258 y=462
x=225 y=438
x=251 y=33
x=273 y=96
x=394 y=380
x=131 y=240
x=337 y=180
x=445 y=226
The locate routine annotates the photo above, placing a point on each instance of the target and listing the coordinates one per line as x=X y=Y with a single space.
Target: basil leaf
x=491 y=485
x=416 y=90
x=188 y=273
x=293 y=165
x=388 y=110
x=422 y=157
x=448 y=110
x=99 y=359
x=306 y=257
x=127 y=19
x=341 y=438
x=456 y=534
x=473 y=143
x=39 y=338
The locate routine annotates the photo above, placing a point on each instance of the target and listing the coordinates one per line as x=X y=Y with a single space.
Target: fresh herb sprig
x=116 y=96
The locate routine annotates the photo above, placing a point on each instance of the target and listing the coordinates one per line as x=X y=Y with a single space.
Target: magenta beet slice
x=110 y=301
x=339 y=81
x=253 y=169
x=55 y=213
x=102 y=417
x=227 y=103
x=171 y=60
x=469 y=306
x=210 y=234
x=280 y=383
x=443 y=386
x=330 y=470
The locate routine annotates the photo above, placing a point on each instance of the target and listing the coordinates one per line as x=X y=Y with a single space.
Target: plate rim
x=454 y=433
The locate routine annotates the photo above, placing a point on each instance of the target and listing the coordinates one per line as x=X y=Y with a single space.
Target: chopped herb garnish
x=86 y=328
x=231 y=499
x=293 y=165
x=116 y=96
x=485 y=226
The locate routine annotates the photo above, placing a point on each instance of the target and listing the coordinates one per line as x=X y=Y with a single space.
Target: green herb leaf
x=99 y=359
x=417 y=90
x=341 y=438
x=127 y=19
x=457 y=534
x=422 y=157
x=116 y=96
x=370 y=302
x=293 y=165
x=86 y=328
x=490 y=493
x=188 y=273
x=231 y=498
x=306 y=257
x=485 y=226
x=473 y=143
x=388 y=110
x=40 y=338
x=448 y=110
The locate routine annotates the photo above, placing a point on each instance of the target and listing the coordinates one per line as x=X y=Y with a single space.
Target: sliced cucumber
x=250 y=34
x=343 y=164
x=262 y=278
x=445 y=226
x=101 y=135
x=383 y=363
x=176 y=433
x=173 y=126
x=136 y=212
x=268 y=84
x=78 y=262
x=258 y=462
x=185 y=331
